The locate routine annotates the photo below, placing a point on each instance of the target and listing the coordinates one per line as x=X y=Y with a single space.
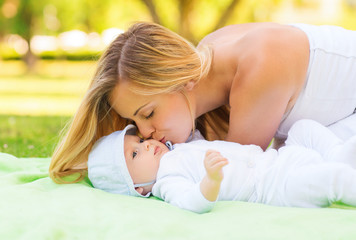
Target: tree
x=20 y=17
x=193 y=13
x=186 y=7
x=192 y=19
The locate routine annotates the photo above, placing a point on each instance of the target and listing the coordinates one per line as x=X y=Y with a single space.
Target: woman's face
x=162 y=117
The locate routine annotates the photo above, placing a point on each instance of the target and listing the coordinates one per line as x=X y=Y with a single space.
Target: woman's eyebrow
x=139 y=109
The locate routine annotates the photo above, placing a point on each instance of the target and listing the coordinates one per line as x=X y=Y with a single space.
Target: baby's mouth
x=157 y=150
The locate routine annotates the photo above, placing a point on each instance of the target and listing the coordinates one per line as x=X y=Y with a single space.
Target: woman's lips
x=163 y=140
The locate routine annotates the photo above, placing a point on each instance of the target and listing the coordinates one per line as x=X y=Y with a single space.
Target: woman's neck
x=209 y=94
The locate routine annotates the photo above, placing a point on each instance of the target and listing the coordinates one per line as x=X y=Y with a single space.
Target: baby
x=314 y=169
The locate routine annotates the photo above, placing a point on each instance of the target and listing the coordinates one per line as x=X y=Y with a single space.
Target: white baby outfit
x=295 y=175
x=329 y=93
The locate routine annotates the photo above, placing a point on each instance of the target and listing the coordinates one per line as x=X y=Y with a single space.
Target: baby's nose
x=146 y=145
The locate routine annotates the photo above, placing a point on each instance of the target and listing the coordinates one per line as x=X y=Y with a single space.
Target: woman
x=244 y=83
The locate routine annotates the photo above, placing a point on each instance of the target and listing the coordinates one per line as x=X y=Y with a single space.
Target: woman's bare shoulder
x=279 y=50
x=271 y=62
x=237 y=31
x=273 y=58
x=263 y=44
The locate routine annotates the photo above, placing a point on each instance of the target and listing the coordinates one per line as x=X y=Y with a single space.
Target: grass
x=35 y=107
x=30 y=136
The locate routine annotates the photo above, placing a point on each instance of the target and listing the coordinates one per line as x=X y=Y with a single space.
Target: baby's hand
x=213 y=163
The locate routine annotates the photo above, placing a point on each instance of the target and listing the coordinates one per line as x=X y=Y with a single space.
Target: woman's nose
x=146 y=130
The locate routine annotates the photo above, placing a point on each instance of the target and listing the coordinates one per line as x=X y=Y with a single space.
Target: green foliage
x=82 y=55
x=8 y=53
x=55 y=16
x=192 y=19
x=30 y=136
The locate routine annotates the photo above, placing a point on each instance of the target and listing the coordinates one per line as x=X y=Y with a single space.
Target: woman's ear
x=189 y=85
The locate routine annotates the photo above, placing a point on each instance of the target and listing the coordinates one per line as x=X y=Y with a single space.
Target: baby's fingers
x=215 y=163
x=219 y=162
x=214 y=168
x=211 y=153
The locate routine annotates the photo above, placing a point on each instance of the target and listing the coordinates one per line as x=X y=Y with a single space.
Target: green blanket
x=33 y=207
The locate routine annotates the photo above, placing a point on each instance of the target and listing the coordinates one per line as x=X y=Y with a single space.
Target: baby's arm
x=210 y=185
x=179 y=188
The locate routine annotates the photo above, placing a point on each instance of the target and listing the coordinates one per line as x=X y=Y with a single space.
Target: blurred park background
x=49 y=48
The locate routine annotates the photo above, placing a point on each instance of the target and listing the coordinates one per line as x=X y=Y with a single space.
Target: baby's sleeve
x=183 y=193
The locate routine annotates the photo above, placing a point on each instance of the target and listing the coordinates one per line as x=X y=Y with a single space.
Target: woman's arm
x=271 y=71
x=256 y=115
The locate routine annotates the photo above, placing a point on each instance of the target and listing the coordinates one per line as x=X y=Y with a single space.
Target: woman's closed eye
x=150 y=115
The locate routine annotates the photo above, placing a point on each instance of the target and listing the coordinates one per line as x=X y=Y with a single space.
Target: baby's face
x=143 y=157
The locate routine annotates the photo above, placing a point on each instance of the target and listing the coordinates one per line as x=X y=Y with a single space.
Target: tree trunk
x=185 y=8
x=226 y=15
x=26 y=19
x=30 y=60
x=152 y=9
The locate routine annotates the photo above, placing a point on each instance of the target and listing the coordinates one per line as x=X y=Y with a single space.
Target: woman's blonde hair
x=155 y=60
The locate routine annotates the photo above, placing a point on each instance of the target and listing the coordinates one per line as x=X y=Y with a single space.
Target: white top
x=329 y=93
x=182 y=170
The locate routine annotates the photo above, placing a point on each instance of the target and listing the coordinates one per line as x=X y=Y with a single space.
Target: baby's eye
x=141 y=140
x=134 y=154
